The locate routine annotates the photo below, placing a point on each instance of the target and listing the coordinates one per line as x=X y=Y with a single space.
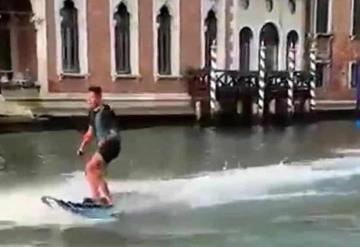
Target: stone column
x=39 y=21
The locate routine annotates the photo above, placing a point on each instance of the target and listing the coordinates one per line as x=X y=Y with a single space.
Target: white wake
x=23 y=206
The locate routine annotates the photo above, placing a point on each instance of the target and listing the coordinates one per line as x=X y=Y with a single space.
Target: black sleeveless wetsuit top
x=103 y=122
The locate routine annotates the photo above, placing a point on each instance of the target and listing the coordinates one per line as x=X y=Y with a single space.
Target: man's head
x=94 y=97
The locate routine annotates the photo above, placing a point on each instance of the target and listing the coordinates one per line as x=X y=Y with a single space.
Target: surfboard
x=87 y=208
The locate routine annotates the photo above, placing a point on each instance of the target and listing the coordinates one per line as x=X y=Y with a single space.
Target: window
x=292 y=6
x=353 y=74
x=356 y=19
x=164 y=41
x=269 y=35
x=322 y=16
x=213 y=28
x=245 y=4
x=271 y=62
x=210 y=35
x=320 y=74
x=269 y=5
x=70 y=38
x=122 y=40
x=71 y=35
x=5 y=50
x=245 y=49
x=292 y=40
x=5 y=42
x=166 y=28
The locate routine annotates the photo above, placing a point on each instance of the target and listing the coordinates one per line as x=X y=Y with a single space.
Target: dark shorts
x=110 y=150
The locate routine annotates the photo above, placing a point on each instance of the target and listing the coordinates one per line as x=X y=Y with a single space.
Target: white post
x=313 y=74
x=262 y=71
x=213 y=67
x=291 y=68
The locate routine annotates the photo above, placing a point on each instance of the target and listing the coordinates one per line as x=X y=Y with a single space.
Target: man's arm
x=86 y=139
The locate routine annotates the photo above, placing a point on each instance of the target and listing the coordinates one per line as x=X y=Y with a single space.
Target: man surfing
x=102 y=125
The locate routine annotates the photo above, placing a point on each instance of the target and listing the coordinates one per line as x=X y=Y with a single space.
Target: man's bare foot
x=105 y=201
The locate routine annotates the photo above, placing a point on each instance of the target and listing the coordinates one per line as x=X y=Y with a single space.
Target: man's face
x=93 y=100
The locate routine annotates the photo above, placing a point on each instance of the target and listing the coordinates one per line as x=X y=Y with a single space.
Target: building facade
x=335 y=25
x=137 y=47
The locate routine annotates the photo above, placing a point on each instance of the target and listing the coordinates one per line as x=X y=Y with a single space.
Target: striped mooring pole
x=213 y=67
x=291 y=81
x=262 y=71
x=313 y=75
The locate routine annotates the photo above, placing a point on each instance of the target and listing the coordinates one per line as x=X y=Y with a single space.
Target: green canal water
x=190 y=186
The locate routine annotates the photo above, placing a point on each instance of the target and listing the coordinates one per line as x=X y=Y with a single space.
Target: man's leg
x=93 y=175
x=104 y=189
x=108 y=151
x=96 y=179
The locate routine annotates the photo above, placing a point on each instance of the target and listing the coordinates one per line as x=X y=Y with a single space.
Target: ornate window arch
x=69 y=37
x=166 y=21
x=218 y=7
x=124 y=38
x=68 y=55
x=210 y=35
x=245 y=40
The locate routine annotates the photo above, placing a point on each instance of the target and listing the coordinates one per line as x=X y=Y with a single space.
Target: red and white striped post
x=313 y=75
x=213 y=78
x=291 y=81
x=262 y=71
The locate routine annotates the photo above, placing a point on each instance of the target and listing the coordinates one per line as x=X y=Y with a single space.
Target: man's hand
x=80 y=151
x=85 y=140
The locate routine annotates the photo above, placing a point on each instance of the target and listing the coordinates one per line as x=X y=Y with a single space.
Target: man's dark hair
x=96 y=90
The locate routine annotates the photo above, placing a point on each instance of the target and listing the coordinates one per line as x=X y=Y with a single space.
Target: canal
x=190 y=186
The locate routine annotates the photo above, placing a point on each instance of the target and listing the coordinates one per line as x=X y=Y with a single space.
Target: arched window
x=292 y=40
x=210 y=35
x=122 y=40
x=270 y=37
x=269 y=5
x=245 y=49
x=164 y=41
x=70 y=37
x=292 y=6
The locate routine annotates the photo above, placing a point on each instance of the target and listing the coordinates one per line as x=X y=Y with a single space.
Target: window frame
x=329 y=18
x=71 y=64
x=174 y=11
x=351 y=64
x=207 y=53
x=164 y=47
x=122 y=67
x=132 y=8
x=352 y=20
x=251 y=37
x=81 y=6
x=325 y=73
